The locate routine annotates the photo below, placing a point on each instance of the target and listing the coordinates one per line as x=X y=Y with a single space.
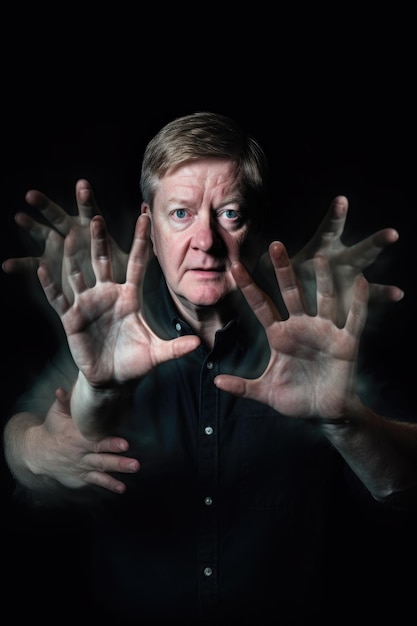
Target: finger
x=242 y=387
x=39 y=232
x=260 y=303
x=52 y=290
x=364 y=253
x=63 y=401
x=356 y=318
x=176 y=348
x=111 y=444
x=168 y=350
x=385 y=293
x=20 y=265
x=106 y=481
x=333 y=224
x=71 y=263
x=50 y=210
x=232 y=384
x=139 y=253
x=286 y=278
x=100 y=250
x=86 y=202
x=326 y=302
x=105 y=463
x=329 y=230
x=54 y=247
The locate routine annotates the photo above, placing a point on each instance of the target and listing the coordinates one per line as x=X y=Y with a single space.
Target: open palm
x=312 y=368
x=110 y=341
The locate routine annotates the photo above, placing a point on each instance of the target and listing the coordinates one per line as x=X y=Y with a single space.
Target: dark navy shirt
x=227 y=516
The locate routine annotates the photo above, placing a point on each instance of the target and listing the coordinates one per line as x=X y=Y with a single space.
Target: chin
x=210 y=298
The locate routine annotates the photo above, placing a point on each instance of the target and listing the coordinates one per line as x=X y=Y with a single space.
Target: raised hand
x=50 y=238
x=110 y=340
x=312 y=369
x=346 y=262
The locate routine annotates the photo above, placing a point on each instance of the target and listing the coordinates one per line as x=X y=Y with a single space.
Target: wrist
x=96 y=393
x=95 y=410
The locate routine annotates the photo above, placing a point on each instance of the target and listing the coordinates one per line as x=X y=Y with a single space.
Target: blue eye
x=230 y=213
x=180 y=213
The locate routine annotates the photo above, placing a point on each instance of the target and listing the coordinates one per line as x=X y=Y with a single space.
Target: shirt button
x=208 y=501
x=210 y=365
x=178 y=326
x=208 y=430
x=208 y=571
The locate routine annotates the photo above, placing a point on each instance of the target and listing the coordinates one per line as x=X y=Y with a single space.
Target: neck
x=207 y=320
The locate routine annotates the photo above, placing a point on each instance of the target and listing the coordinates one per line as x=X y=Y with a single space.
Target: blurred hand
x=51 y=237
x=345 y=262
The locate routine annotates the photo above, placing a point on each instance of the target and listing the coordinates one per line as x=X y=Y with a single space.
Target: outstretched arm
x=312 y=375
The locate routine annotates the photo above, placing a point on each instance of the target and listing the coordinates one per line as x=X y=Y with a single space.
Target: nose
x=205 y=234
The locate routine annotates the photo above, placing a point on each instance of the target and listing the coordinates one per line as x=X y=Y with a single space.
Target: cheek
x=238 y=245
x=159 y=242
x=167 y=249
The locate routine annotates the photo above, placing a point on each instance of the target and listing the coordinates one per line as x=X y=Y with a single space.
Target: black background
x=333 y=103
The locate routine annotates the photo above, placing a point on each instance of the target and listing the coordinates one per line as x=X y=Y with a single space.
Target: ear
x=146 y=209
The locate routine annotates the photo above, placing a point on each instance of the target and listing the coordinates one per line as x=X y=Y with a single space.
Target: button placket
x=208 y=460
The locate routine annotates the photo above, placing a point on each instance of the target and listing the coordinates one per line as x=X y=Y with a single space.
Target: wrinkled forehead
x=217 y=169
x=216 y=176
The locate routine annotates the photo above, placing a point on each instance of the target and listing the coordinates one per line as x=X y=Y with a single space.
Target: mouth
x=207 y=272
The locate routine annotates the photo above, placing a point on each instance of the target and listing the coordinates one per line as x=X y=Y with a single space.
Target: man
x=206 y=423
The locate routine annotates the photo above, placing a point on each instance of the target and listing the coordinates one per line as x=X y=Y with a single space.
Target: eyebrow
x=232 y=200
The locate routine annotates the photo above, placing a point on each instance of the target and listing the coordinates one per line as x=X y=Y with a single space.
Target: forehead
x=202 y=175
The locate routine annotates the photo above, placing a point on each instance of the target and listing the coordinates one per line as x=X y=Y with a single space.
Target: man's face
x=198 y=229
